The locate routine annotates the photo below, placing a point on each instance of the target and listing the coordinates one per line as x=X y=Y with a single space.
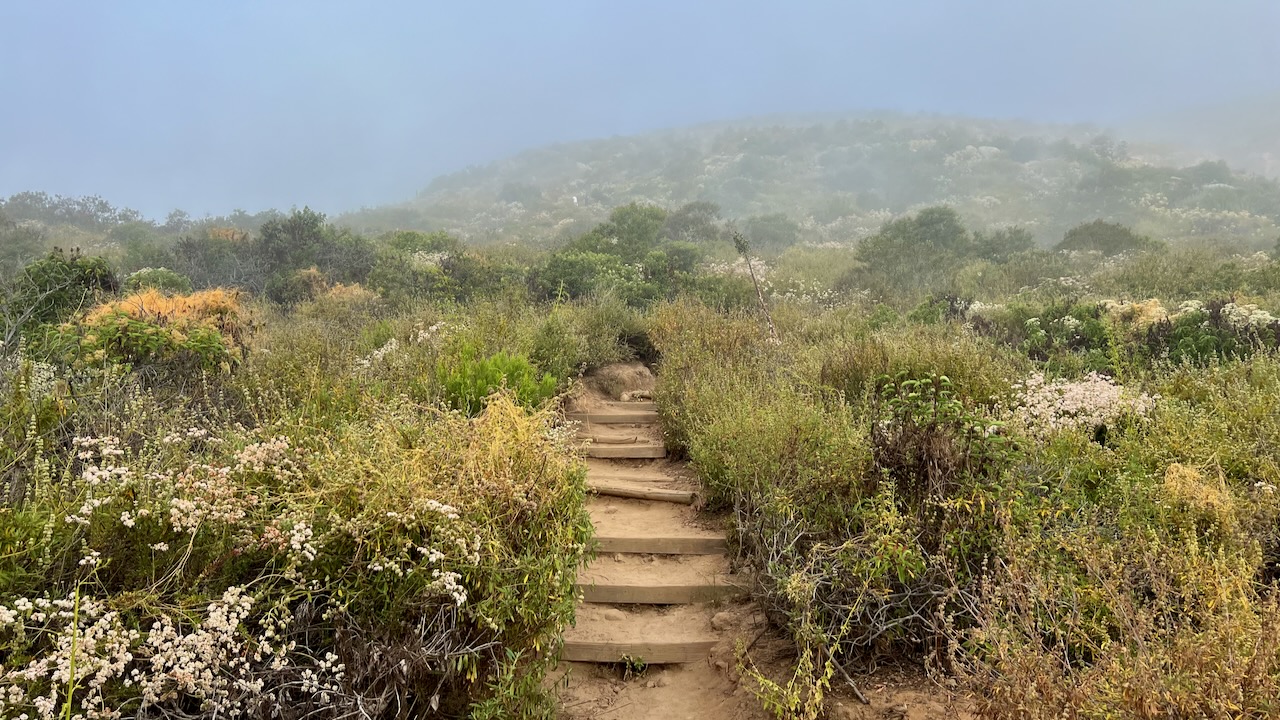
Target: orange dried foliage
x=232 y=234
x=219 y=309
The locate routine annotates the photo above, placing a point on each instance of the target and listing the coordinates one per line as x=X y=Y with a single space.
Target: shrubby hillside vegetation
x=837 y=180
x=279 y=466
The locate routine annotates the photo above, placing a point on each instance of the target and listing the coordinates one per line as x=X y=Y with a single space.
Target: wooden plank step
x=639 y=491
x=661 y=545
x=641 y=526
x=650 y=653
x=627 y=451
x=637 y=579
x=648 y=472
x=653 y=636
x=615 y=417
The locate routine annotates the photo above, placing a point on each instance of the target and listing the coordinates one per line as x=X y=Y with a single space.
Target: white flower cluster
x=210 y=662
x=739 y=268
x=191 y=434
x=102 y=478
x=296 y=539
x=273 y=456
x=798 y=290
x=423 y=260
x=1046 y=407
x=92 y=647
x=41 y=380
x=423 y=333
x=207 y=494
x=1240 y=317
x=977 y=307
x=215 y=659
x=1244 y=317
x=447 y=583
x=378 y=355
x=436 y=506
x=447 y=540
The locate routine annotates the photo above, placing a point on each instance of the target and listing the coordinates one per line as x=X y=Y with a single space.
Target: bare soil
x=609 y=383
x=711 y=688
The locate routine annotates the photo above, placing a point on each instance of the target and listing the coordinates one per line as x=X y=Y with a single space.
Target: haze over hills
x=1245 y=133
x=839 y=178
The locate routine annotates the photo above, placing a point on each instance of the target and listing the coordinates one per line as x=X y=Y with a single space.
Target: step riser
x=663 y=546
x=679 y=497
x=668 y=595
x=619 y=418
x=626 y=452
x=648 y=653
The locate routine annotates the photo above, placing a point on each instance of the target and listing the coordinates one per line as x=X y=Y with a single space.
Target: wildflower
x=1045 y=407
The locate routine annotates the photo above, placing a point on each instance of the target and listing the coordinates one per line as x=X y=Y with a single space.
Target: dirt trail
x=662 y=615
x=660 y=593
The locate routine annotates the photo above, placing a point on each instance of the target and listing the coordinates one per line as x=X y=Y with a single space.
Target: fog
x=215 y=106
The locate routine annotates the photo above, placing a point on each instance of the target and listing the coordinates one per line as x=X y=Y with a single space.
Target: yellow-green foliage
x=204 y=330
x=1117 y=568
x=405 y=538
x=319 y=523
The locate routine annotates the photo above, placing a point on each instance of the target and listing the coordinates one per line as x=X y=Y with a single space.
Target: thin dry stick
x=862 y=698
x=740 y=243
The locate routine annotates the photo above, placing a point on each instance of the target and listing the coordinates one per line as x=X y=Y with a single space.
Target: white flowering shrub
x=1043 y=407
x=189 y=566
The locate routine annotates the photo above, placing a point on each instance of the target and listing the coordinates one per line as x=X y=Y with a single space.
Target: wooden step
x=615 y=417
x=617 y=406
x=649 y=482
x=621 y=442
x=657 y=580
x=638 y=450
x=617 y=413
x=651 y=636
x=639 y=491
x=641 y=526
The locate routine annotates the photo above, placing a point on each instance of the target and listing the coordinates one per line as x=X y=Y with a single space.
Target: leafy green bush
x=470 y=381
x=157 y=278
x=313 y=528
x=57 y=286
x=1104 y=237
x=177 y=336
x=581 y=336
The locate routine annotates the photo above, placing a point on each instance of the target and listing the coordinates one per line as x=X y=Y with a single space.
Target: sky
x=211 y=106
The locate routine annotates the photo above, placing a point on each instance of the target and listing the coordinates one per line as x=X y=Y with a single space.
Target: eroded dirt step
x=658 y=579
x=641 y=634
x=640 y=491
x=616 y=413
x=615 y=479
x=643 y=526
x=623 y=441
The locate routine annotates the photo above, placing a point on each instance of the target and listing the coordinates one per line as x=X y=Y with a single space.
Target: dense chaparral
x=294 y=471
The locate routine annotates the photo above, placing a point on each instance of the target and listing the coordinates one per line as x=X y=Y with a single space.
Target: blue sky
x=214 y=106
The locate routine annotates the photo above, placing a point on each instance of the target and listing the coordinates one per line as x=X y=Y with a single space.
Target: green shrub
x=174 y=337
x=54 y=288
x=978 y=369
x=1104 y=237
x=297 y=286
x=157 y=278
x=338 y=569
x=468 y=382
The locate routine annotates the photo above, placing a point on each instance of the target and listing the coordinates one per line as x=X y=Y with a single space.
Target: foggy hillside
x=1245 y=133
x=839 y=179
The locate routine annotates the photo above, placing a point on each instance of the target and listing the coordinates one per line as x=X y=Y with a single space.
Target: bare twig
x=740 y=243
